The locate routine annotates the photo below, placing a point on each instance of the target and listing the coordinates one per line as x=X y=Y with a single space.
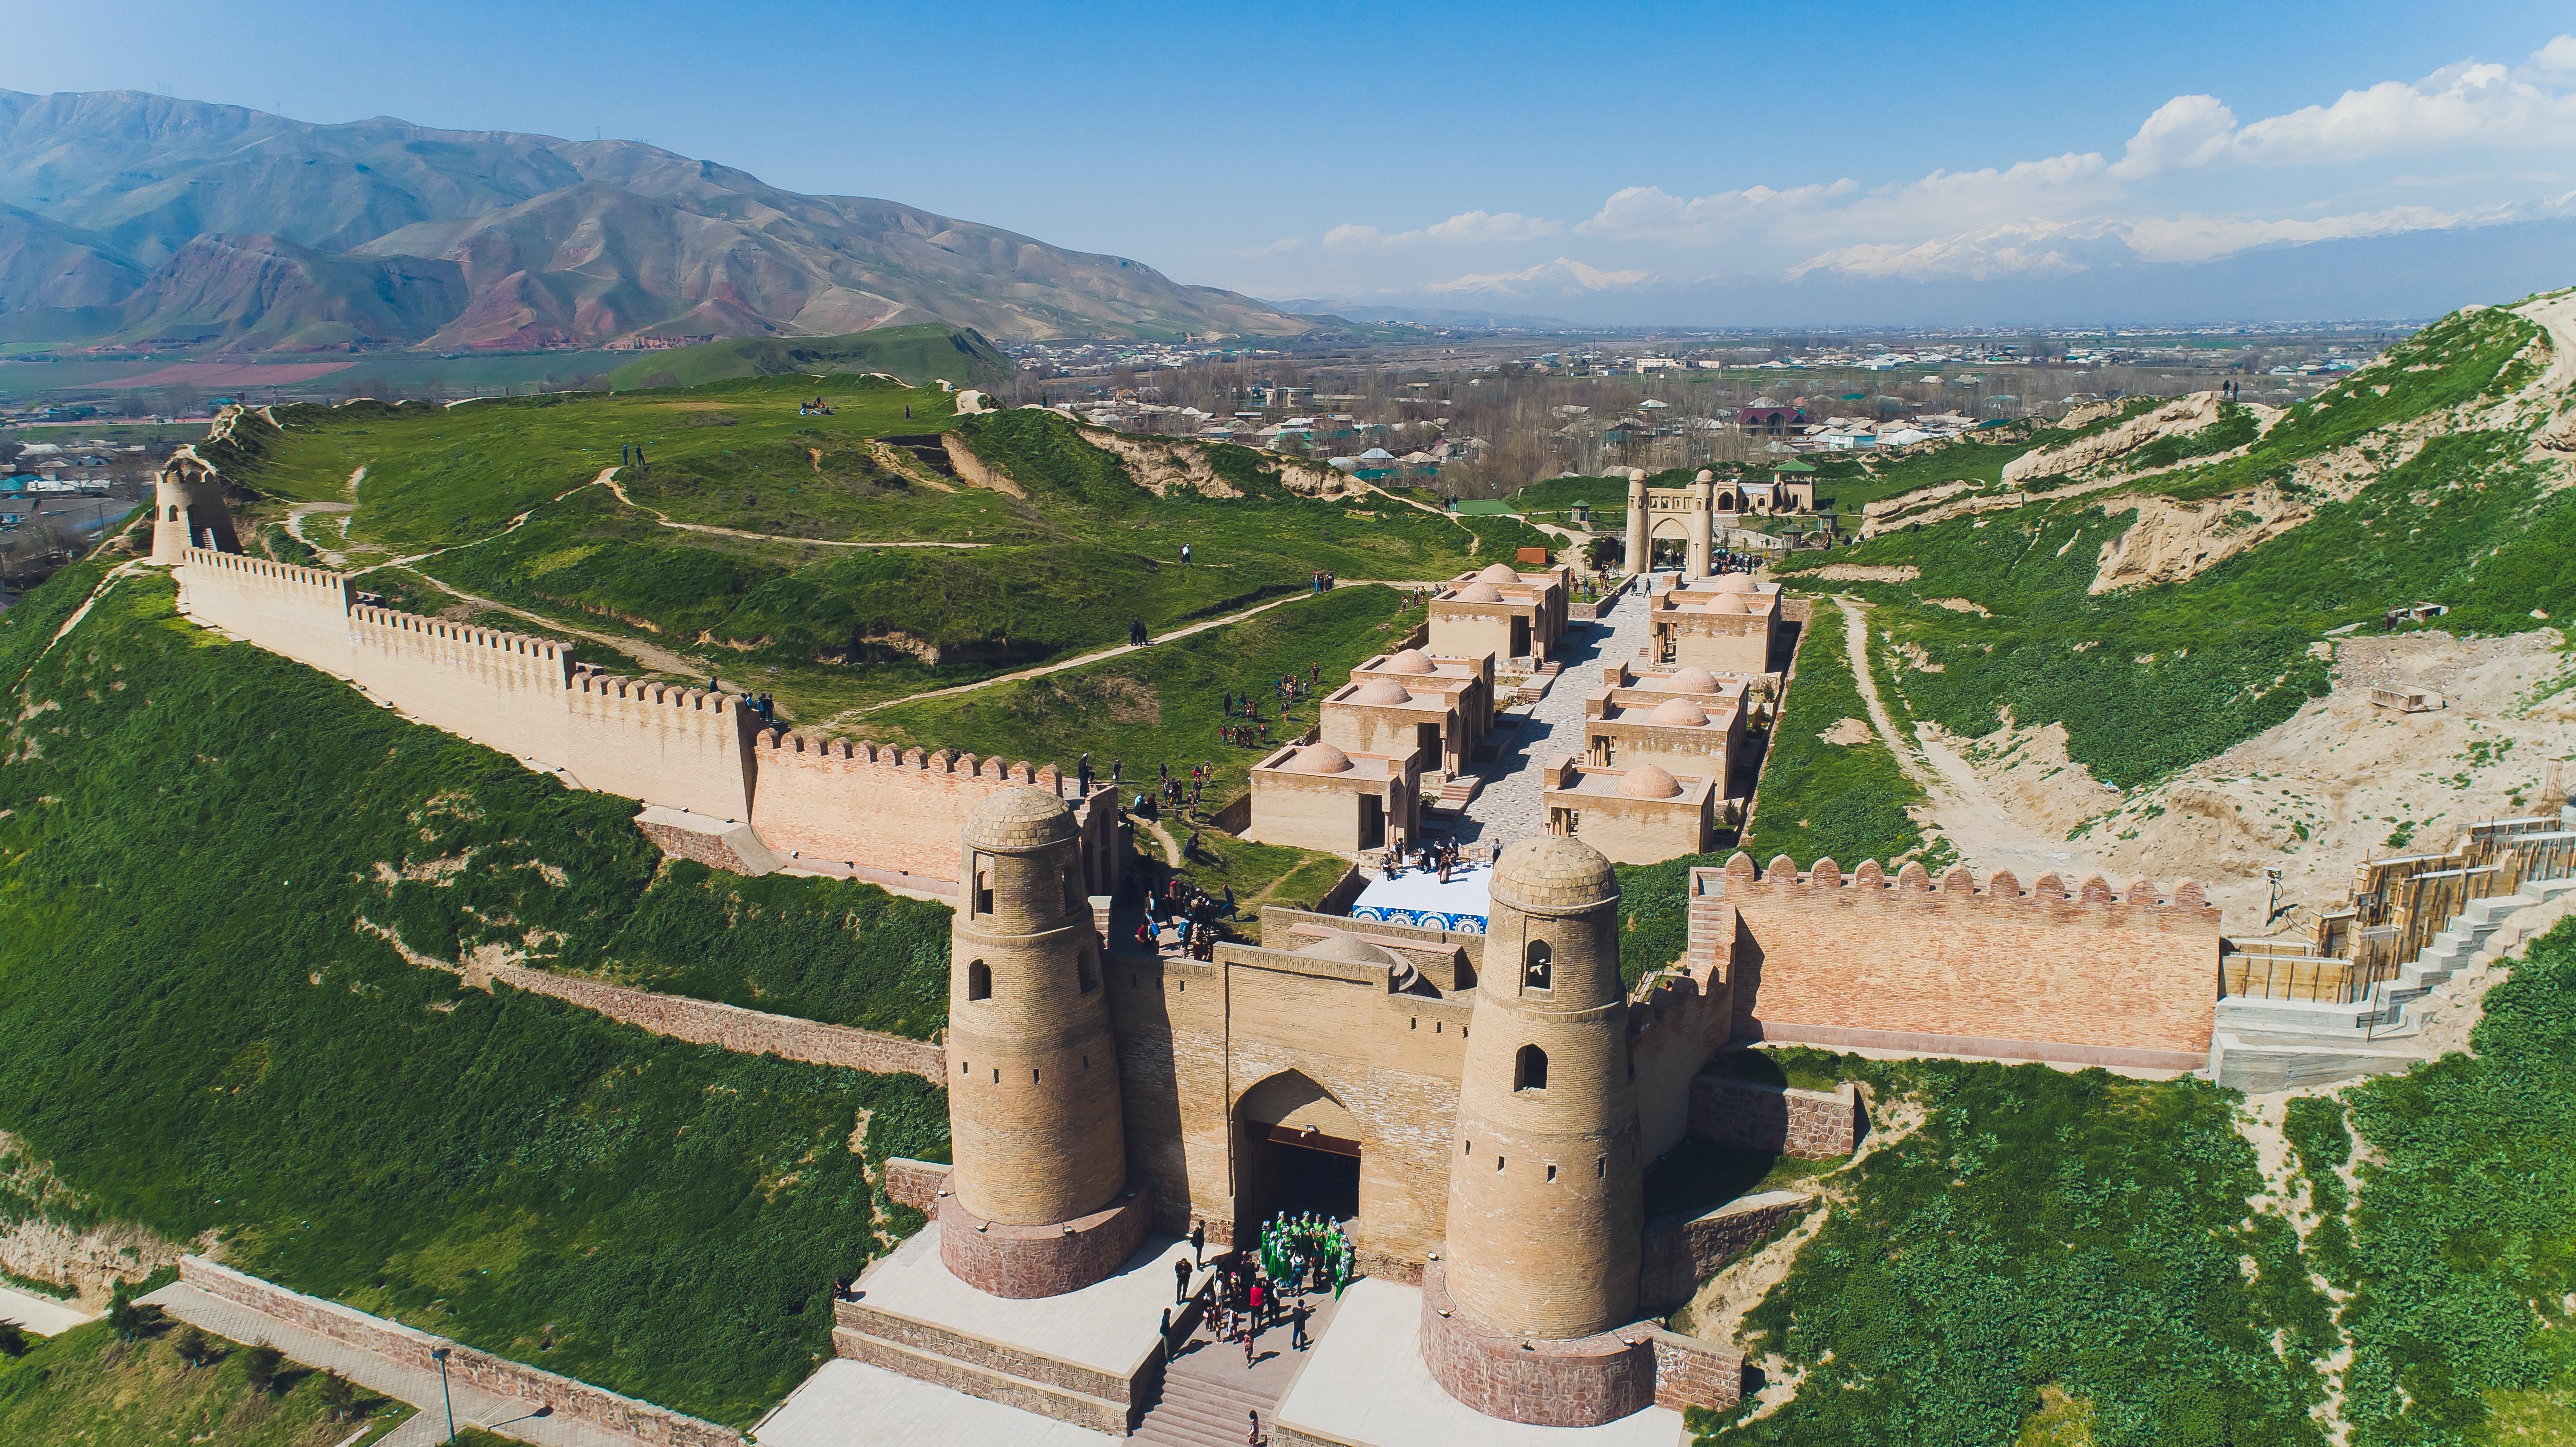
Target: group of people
x=1180 y=790
x=1189 y=911
x=1266 y=1285
x=814 y=408
x=1323 y=581
x=1431 y=855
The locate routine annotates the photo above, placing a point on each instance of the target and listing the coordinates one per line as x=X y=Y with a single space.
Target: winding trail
x=1042 y=670
x=1959 y=805
x=617 y=489
x=652 y=655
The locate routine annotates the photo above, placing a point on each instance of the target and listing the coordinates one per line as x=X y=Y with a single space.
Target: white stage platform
x=1419 y=898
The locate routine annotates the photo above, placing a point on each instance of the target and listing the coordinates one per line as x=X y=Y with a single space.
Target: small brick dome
x=1693 y=679
x=1704 y=475
x=1019 y=818
x=1380 y=691
x=1351 y=949
x=1735 y=583
x=1479 y=591
x=1649 y=781
x=1411 y=660
x=1729 y=603
x=1318 y=759
x=1553 y=872
x=1678 y=712
x=1499 y=573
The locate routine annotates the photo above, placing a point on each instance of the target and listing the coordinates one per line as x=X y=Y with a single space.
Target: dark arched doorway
x=1296 y=1149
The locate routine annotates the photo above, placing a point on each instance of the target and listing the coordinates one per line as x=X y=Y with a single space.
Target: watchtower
x=1033 y=1106
x=1546 y=1192
x=188 y=510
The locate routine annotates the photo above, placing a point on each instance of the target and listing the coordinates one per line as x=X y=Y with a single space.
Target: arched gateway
x=1296 y=1149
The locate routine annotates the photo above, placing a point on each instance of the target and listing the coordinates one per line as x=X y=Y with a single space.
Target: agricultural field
x=209 y=1030
x=795 y=555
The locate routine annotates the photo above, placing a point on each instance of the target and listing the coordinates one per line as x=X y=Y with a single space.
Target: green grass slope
x=780 y=557
x=2151 y=679
x=87 y=1386
x=920 y=355
x=2041 y=1237
x=202 y=1028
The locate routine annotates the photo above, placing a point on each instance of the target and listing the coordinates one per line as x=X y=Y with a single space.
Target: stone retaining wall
x=1681 y=1253
x=1693 y=1373
x=570 y=1399
x=915 y=1183
x=749 y=1032
x=1813 y=1125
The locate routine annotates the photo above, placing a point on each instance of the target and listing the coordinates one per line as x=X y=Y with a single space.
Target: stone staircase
x=1203 y=1410
x=1535 y=687
x=2275 y=1044
x=1458 y=792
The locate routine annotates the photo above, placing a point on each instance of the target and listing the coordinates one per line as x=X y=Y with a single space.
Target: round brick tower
x=1546 y=1191
x=188 y=511
x=1638 y=560
x=1039 y=1201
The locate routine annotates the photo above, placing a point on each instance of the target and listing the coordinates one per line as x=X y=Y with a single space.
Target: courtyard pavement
x=1511 y=804
x=853 y=1404
x=1365 y=1383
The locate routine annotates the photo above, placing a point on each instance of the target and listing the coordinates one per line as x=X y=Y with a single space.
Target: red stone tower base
x=1580 y=1383
x=1021 y=1262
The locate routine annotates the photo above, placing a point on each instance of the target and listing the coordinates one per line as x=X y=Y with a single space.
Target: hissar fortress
x=1496 y=1094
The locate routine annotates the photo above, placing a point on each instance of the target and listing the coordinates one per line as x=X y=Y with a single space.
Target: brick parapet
x=1751 y=1115
x=1694 y=1373
x=1024 y=1262
x=854 y=1313
x=2083 y=975
x=1579 y=1383
x=1080 y=1409
x=409 y=1347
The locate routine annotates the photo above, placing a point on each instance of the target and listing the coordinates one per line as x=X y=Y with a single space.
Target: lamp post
x=439 y=1355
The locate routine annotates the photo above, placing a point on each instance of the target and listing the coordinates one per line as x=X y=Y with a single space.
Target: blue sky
x=1484 y=151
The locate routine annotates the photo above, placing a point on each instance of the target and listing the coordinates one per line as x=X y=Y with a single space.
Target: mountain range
x=127 y=217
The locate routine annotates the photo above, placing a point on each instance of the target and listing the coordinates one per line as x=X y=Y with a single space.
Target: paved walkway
x=506 y=1416
x=853 y=1404
x=1366 y=1383
x=1511 y=805
x=42 y=1315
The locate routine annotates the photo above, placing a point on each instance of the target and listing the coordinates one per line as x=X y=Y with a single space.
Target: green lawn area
x=209 y=1033
x=1162 y=705
x=87 y=1386
x=2043 y=1235
x=920 y=355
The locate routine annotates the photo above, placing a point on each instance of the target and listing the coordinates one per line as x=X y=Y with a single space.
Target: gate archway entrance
x=1296 y=1149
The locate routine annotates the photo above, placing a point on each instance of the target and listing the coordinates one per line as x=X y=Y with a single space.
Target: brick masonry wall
x=1693 y=1373
x=915 y=1183
x=2081 y=975
x=570 y=1399
x=707 y=849
x=932 y=1339
x=749 y=1032
x=1580 y=1383
x=1078 y=1408
x=1680 y=1254
x=1812 y=1125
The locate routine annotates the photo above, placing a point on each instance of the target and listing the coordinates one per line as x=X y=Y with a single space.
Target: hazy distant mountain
x=1429 y=316
x=2409 y=275
x=127 y=216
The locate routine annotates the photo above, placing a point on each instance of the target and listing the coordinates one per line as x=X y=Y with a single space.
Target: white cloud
x=1280 y=247
x=2468 y=104
x=1563 y=275
x=1465 y=228
x=1649 y=213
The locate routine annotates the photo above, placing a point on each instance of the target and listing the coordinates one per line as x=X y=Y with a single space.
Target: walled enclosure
x=1641 y=815
x=684 y=748
x=2085 y=977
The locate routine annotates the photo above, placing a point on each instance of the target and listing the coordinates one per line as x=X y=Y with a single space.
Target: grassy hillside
x=201 y=1028
x=805 y=591
x=2042 y=1240
x=2151 y=679
x=88 y=1386
x=920 y=355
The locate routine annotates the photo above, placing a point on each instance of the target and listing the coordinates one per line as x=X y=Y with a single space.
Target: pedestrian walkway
x=42 y=1315
x=1511 y=802
x=504 y=1416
